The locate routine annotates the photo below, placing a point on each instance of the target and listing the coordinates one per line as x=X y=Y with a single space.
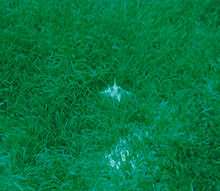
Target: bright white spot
x=119 y=155
x=118 y=165
x=124 y=154
x=112 y=163
x=115 y=92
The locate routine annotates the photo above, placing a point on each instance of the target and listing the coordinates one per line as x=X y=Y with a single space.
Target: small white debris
x=112 y=163
x=124 y=154
x=119 y=155
x=118 y=165
x=115 y=92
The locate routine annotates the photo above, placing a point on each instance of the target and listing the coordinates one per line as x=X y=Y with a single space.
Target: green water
x=65 y=127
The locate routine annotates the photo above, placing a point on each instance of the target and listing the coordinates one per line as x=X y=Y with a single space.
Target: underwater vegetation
x=109 y=95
